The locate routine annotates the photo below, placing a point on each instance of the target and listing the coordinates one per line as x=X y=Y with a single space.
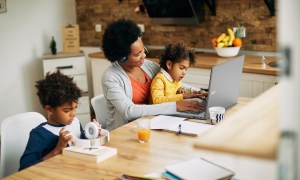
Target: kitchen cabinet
x=252 y=84
x=98 y=68
x=73 y=65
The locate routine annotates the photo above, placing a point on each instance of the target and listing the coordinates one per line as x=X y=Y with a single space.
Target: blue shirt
x=43 y=139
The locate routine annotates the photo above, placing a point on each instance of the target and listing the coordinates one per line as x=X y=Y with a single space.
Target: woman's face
x=137 y=56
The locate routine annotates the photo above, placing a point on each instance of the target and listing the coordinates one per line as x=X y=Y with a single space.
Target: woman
x=126 y=83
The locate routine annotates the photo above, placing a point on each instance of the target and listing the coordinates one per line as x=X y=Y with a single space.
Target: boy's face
x=178 y=70
x=63 y=114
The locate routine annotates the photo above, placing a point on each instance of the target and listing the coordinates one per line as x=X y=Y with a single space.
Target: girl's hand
x=180 y=91
x=194 y=106
x=99 y=127
x=195 y=95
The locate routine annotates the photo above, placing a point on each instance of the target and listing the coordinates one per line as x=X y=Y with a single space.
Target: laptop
x=223 y=90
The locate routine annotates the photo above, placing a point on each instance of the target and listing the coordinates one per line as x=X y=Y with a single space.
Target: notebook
x=224 y=86
x=196 y=169
x=179 y=125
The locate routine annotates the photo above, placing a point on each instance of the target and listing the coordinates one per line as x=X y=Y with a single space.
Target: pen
x=179 y=129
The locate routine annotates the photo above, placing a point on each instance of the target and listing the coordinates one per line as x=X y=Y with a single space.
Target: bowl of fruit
x=227 y=45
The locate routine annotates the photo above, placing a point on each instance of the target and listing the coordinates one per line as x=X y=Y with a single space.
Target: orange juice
x=144 y=135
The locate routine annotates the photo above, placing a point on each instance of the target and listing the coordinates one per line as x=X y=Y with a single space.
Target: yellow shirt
x=164 y=89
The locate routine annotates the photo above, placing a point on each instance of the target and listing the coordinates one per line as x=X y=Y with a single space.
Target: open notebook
x=196 y=169
x=179 y=125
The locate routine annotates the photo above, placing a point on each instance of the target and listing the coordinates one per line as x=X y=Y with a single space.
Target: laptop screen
x=224 y=86
x=224 y=83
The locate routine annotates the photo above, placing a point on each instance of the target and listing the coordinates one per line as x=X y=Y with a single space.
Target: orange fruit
x=237 y=42
x=214 y=41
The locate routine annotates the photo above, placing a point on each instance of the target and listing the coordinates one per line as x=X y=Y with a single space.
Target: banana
x=222 y=36
x=231 y=36
x=220 y=44
x=226 y=39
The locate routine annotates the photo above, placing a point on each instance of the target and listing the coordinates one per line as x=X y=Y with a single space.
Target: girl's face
x=63 y=114
x=178 y=70
x=137 y=56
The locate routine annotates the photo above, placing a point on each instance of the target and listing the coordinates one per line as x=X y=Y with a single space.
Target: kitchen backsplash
x=252 y=14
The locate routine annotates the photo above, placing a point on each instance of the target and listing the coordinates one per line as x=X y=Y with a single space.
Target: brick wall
x=253 y=14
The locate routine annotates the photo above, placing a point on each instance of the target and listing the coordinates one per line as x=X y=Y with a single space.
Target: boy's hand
x=64 y=138
x=99 y=127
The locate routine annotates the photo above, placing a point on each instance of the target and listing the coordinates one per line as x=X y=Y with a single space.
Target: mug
x=216 y=114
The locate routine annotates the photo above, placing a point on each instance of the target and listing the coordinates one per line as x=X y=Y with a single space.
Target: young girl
x=167 y=86
x=59 y=96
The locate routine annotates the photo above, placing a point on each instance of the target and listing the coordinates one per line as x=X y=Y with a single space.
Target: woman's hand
x=194 y=106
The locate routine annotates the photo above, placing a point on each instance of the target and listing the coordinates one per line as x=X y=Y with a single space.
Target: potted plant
x=53 y=46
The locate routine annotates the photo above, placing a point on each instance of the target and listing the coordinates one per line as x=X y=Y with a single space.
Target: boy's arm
x=33 y=151
x=158 y=95
x=64 y=138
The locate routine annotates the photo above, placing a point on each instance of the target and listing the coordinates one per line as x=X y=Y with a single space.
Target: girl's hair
x=118 y=38
x=57 y=89
x=176 y=53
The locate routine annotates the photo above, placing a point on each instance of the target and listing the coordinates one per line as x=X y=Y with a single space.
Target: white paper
x=190 y=128
x=171 y=123
x=164 y=122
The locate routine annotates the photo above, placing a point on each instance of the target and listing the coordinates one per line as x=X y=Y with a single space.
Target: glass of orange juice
x=143 y=130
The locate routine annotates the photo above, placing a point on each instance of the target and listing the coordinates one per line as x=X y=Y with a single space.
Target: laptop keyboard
x=204 y=102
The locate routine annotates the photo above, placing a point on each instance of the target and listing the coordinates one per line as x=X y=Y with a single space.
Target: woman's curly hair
x=57 y=89
x=176 y=53
x=117 y=39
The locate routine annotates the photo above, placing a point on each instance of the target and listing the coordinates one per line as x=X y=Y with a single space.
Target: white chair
x=100 y=107
x=14 y=136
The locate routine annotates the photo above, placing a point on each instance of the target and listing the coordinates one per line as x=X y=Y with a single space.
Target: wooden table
x=164 y=149
x=252 y=131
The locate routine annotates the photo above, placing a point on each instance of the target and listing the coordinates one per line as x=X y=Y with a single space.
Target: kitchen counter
x=206 y=60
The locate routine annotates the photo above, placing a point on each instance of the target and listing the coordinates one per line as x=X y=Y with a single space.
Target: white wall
x=25 y=33
x=288 y=36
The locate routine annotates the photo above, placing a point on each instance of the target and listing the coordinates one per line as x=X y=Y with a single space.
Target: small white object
x=217 y=114
x=142 y=27
x=104 y=138
x=91 y=130
x=98 y=27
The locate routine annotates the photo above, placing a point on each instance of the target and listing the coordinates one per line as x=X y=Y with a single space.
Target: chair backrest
x=100 y=107
x=15 y=132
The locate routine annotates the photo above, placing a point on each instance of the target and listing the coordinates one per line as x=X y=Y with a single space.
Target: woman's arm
x=118 y=92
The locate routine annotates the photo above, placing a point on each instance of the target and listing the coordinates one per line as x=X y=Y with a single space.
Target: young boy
x=59 y=96
x=167 y=86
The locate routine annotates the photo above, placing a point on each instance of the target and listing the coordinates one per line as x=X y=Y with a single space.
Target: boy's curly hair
x=118 y=37
x=176 y=53
x=57 y=89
